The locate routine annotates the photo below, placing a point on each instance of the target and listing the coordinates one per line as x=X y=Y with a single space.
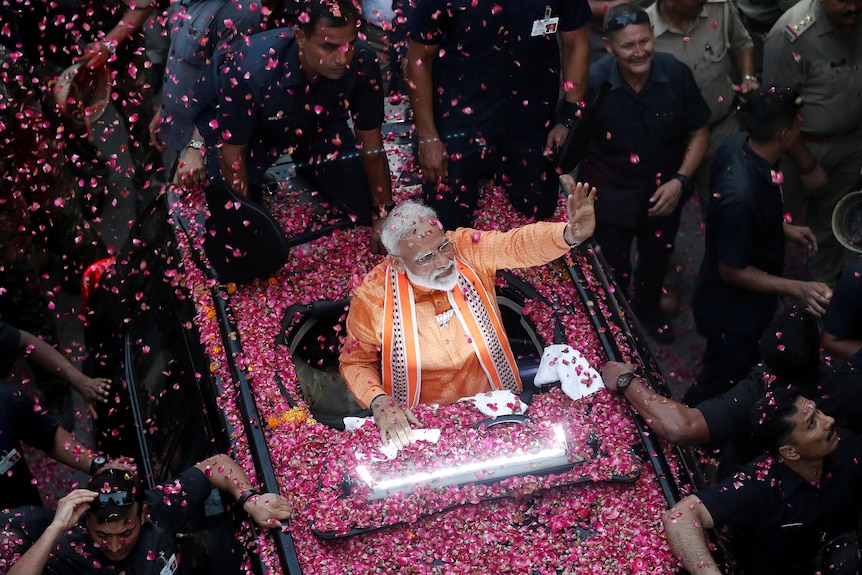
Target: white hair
x=402 y=220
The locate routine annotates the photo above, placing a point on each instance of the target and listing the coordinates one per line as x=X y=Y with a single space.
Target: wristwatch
x=97 y=463
x=687 y=184
x=196 y=144
x=624 y=381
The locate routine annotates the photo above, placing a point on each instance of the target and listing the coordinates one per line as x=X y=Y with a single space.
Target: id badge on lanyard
x=171 y=564
x=547 y=25
x=9 y=460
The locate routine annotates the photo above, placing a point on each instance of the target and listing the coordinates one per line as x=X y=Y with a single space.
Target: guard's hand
x=377 y=245
x=665 y=199
x=95 y=56
x=816 y=181
x=121 y=463
x=433 y=159
x=556 y=138
x=393 y=422
x=191 y=169
x=803 y=236
x=155 y=139
x=612 y=371
x=70 y=508
x=748 y=85
x=268 y=509
x=815 y=295
x=580 y=208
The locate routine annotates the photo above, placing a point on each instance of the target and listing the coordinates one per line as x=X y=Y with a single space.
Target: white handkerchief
x=498 y=402
x=354 y=423
x=565 y=364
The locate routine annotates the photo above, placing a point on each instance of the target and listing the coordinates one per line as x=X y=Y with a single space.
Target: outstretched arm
x=265 y=509
x=432 y=152
x=685 y=525
x=815 y=295
x=670 y=419
x=51 y=360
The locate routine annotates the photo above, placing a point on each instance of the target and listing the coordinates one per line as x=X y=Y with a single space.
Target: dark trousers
x=329 y=162
x=526 y=175
x=332 y=164
x=655 y=241
x=727 y=360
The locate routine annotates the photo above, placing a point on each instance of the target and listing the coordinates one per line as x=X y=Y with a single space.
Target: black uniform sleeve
x=729 y=414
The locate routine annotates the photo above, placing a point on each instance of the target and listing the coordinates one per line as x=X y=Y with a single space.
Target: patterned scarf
x=474 y=308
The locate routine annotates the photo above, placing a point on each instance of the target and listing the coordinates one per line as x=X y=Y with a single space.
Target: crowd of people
x=754 y=108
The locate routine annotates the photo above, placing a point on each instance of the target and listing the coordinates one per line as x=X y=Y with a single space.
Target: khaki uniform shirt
x=712 y=38
x=806 y=52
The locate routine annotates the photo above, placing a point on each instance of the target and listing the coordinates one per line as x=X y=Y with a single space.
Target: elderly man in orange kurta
x=425 y=327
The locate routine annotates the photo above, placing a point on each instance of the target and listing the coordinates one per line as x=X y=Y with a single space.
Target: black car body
x=208 y=366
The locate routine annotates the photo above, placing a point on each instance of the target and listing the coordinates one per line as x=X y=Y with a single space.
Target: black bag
x=243 y=241
x=840 y=555
x=575 y=147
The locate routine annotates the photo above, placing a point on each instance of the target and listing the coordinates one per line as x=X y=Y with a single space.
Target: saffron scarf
x=475 y=310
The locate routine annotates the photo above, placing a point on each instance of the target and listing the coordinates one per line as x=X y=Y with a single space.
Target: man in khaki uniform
x=703 y=35
x=816 y=48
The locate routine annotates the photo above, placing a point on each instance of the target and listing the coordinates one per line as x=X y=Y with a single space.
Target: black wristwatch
x=567 y=114
x=624 y=381
x=687 y=184
x=97 y=463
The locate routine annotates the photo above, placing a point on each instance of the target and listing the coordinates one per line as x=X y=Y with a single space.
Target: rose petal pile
x=521 y=525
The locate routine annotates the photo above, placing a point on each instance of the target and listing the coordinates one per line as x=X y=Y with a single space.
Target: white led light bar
x=552 y=458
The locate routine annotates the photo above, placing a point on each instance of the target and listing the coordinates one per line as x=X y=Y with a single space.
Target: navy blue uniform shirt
x=843 y=317
x=267 y=104
x=491 y=77
x=744 y=228
x=169 y=507
x=640 y=138
x=779 y=518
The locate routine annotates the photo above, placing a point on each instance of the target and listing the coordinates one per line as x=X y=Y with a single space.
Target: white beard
x=432 y=282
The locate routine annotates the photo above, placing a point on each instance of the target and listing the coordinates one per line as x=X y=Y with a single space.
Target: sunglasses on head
x=118 y=498
x=620 y=22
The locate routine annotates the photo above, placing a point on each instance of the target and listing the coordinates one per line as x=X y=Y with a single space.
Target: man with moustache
x=294 y=92
x=803 y=490
x=117 y=526
x=648 y=141
x=425 y=327
x=816 y=49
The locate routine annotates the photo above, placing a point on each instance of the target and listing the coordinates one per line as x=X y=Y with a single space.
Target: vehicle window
x=174 y=429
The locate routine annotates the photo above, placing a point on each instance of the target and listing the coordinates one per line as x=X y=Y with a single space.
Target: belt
x=820 y=139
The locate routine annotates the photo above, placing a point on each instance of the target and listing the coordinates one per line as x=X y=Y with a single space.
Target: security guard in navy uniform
x=485 y=78
x=816 y=48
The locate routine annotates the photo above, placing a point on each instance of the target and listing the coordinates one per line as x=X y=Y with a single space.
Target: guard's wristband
x=98 y=462
x=567 y=113
x=245 y=496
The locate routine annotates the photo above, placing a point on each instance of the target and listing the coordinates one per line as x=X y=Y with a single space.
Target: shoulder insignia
x=793 y=31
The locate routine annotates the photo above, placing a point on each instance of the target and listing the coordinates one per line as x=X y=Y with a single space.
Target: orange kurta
x=450 y=368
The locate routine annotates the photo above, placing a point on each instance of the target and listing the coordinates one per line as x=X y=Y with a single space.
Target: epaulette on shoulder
x=793 y=31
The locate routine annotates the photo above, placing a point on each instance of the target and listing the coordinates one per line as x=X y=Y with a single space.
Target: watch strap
x=245 y=496
x=624 y=380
